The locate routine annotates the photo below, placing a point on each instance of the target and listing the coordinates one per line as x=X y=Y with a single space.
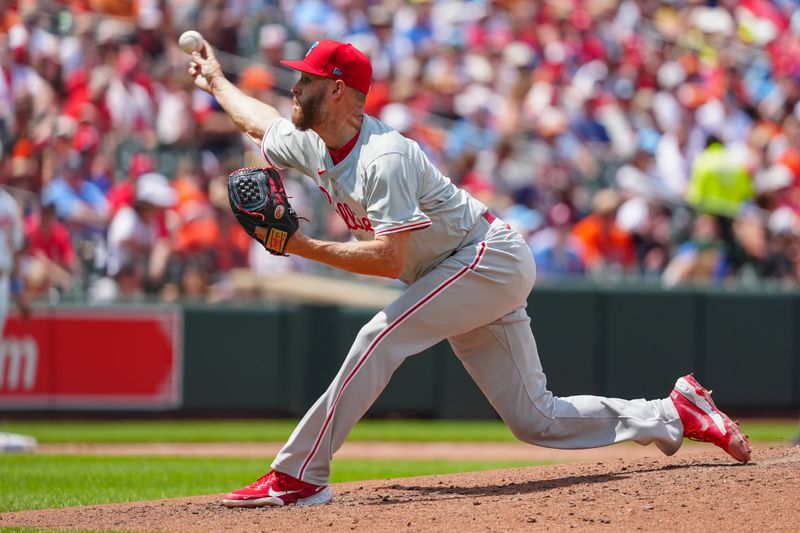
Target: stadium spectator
x=123 y=192
x=720 y=184
x=129 y=97
x=528 y=105
x=137 y=239
x=49 y=245
x=781 y=258
x=76 y=199
x=194 y=280
x=605 y=248
x=555 y=250
x=700 y=260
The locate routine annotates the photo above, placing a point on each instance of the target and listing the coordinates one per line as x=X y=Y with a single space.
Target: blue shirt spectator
x=77 y=200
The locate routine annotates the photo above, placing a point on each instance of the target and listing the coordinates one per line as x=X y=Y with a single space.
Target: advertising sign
x=92 y=358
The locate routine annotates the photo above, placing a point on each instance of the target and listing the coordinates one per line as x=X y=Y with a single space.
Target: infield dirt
x=696 y=491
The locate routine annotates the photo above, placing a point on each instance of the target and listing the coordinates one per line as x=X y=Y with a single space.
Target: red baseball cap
x=338 y=61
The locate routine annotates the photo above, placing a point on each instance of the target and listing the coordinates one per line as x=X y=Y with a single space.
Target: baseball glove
x=260 y=205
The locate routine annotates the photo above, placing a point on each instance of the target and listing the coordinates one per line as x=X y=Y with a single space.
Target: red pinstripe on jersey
x=327 y=194
x=377 y=340
x=270 y=162
x=407 y=227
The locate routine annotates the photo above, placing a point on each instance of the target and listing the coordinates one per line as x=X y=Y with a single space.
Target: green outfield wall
x=630 y=343
x=276 y=359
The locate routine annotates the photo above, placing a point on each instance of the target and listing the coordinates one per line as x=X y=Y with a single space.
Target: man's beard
x=306 y=116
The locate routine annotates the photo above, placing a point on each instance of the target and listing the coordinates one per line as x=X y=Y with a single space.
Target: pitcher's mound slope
x=703 y=491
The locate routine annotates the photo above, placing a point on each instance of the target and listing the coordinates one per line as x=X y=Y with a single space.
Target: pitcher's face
x=308 y=97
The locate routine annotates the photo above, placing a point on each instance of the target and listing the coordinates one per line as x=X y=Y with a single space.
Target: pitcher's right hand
x=205 y=68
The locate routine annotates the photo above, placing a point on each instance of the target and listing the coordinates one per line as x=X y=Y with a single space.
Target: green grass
x=37 y=530
x=771 y=431
x=136 y=431
x=42 y=481
x=252 y=431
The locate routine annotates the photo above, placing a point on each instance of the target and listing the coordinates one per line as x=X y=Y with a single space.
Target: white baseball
x=190 y=41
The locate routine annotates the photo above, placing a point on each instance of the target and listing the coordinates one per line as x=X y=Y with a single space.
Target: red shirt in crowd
x=50 y=238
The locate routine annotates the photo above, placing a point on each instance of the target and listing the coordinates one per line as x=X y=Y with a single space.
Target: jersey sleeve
x=392 y=195
x=284 y=146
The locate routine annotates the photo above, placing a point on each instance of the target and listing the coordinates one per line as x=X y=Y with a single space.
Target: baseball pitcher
x=468 y=277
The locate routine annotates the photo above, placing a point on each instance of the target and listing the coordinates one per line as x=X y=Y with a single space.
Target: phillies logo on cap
x=312 y=47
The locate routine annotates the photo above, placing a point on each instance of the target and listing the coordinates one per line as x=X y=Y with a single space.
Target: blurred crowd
x=633 y=139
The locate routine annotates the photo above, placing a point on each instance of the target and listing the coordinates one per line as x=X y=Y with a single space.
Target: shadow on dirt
x=529 y=487
x=667 y=468
x=510 y=489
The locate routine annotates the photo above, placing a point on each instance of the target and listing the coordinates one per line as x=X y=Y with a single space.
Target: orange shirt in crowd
x=199 y=230
x=602 y=241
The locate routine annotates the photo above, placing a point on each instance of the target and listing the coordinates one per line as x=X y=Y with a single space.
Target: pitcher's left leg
x=454 y=297
x=503 y=360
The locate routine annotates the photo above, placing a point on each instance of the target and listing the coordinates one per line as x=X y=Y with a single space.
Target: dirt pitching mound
x=702 y=491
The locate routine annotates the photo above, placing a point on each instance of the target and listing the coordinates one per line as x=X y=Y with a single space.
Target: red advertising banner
x=92 y=358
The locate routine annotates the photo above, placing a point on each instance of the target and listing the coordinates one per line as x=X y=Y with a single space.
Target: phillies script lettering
x=351 y=219
x=348 y=215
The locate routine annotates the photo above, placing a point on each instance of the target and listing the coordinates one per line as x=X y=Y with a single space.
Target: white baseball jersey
x=470 y=276
x=11 y=236
x=385 y=185
x=126 y=233
x=11 y=240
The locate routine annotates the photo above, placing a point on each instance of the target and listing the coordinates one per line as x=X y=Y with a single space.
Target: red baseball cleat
x=278 y=489
x=703 y=422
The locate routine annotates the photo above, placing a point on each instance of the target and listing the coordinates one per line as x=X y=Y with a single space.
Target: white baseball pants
x=476 y=299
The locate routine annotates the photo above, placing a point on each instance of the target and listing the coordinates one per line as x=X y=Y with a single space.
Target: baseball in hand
x=190 y=41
